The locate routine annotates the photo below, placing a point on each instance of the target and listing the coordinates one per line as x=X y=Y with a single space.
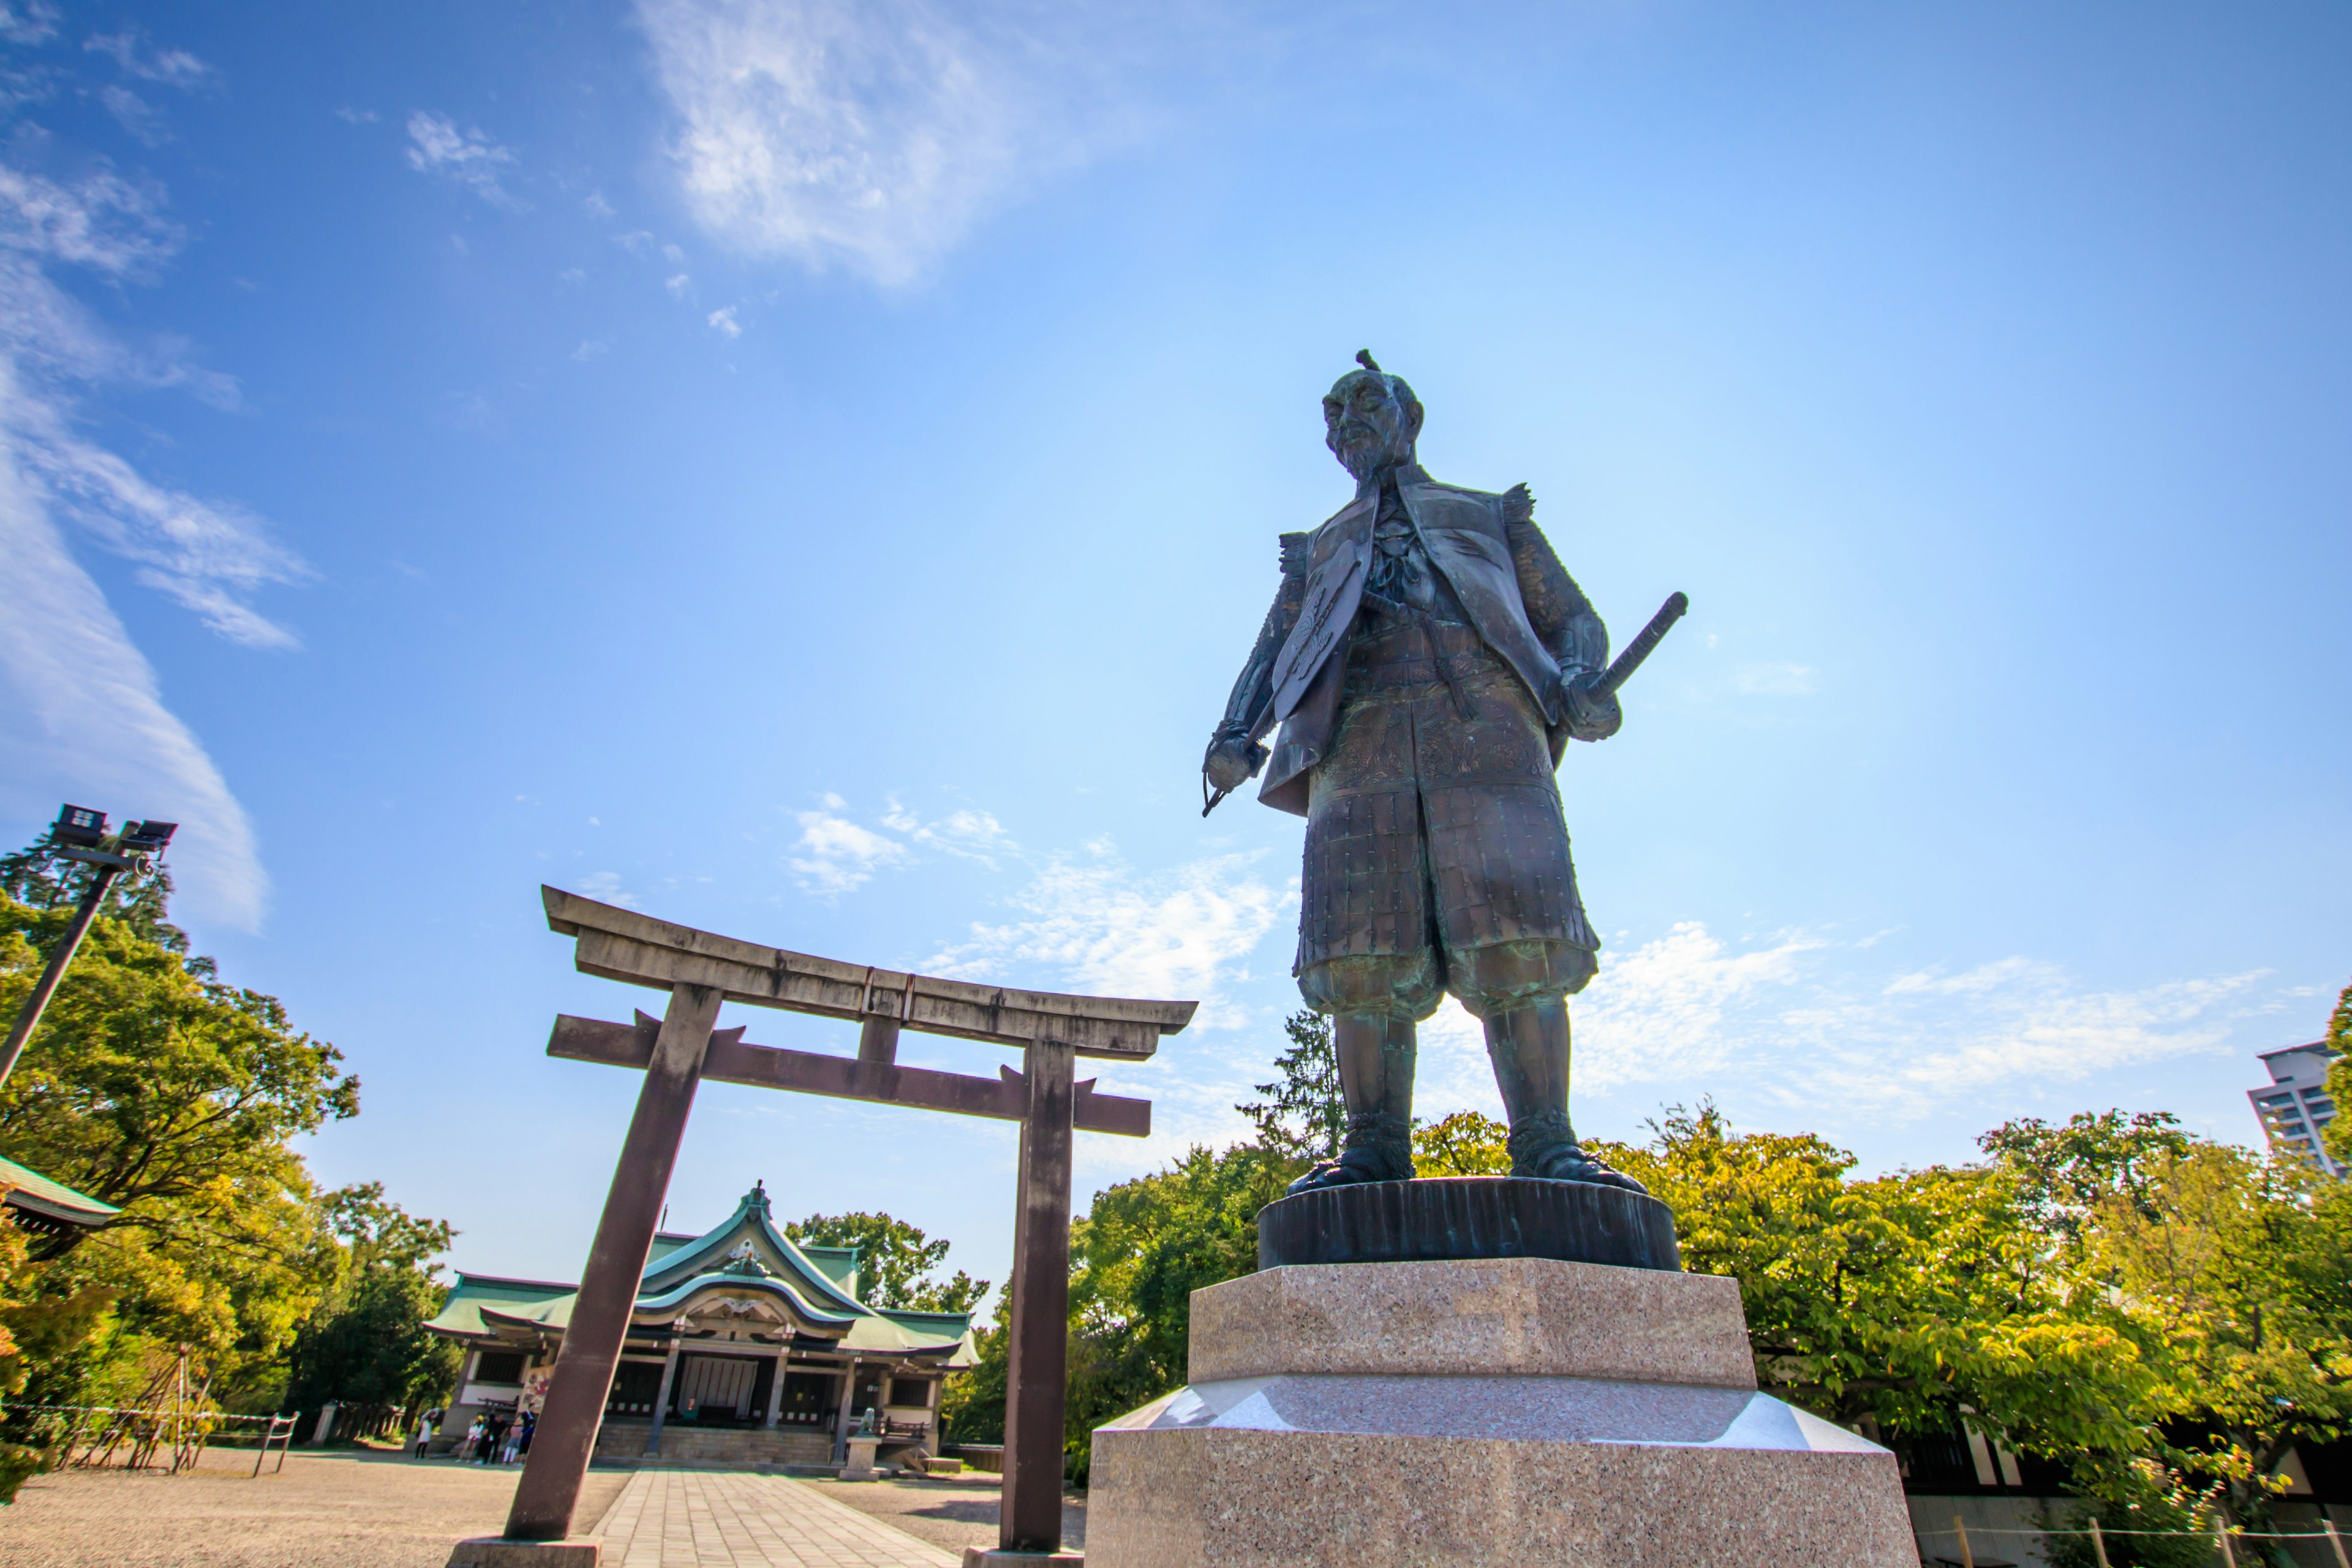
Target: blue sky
x=811 y=470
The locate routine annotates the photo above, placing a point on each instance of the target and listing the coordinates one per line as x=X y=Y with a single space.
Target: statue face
x=1365 y=426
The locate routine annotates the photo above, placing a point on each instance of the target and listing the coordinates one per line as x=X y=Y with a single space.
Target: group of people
x=494 y=1439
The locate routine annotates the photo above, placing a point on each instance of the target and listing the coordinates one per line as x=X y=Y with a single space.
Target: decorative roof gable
x=750 y=1231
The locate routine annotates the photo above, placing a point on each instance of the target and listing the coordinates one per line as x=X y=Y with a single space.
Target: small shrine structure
x=742 y=1347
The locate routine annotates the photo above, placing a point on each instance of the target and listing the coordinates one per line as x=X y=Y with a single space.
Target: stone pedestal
x=862 y=1449
x=1509 y=1410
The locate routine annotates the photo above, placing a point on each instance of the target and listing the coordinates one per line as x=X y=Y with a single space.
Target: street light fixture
x=80 y=834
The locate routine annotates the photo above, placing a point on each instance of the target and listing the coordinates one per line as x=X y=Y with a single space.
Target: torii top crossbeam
x=622 y=944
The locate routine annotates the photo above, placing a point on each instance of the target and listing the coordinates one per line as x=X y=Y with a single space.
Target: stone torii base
x=700 y=970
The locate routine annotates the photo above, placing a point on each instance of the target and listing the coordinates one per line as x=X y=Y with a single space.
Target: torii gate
x=700 y=971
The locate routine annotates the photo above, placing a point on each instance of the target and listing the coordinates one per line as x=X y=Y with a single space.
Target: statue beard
x=1368 y=462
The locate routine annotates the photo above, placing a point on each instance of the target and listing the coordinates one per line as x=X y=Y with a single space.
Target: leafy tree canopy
x=1301 y=1114
x=895 y=1260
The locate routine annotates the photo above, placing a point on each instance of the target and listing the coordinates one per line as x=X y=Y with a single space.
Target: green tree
x=1302 y=1115
x=154 y=1085
x=895 y=1260
x=2237 y=1265
x=1466 y=1144
x=365 y=1346
x=1136 y=1256
x=2338 y=1134
x=1910 y=1304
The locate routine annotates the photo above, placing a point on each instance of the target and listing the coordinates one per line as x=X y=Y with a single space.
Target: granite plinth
x=1502 y=1410
x=1536 y=1316
x=1441 y=1217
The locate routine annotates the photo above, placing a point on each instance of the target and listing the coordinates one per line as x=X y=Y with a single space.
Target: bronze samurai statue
x=1429 y=659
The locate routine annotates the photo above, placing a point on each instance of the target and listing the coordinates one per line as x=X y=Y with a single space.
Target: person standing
x=424 y=1432
x=473 y=1439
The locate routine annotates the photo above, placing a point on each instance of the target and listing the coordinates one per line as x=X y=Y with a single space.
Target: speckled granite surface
x=1511 y=1412
x=1297 y=1499
x=1494 y=1315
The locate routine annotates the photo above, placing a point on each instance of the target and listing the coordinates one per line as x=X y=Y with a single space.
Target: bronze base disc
x=1438 y=1217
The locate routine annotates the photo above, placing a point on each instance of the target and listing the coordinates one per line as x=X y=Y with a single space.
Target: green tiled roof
x=473 y=1294
x=53 y=1200
x=822 y=1279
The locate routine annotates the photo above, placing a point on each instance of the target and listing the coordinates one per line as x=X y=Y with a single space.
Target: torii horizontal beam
x=622 y=944
x=732 y=1060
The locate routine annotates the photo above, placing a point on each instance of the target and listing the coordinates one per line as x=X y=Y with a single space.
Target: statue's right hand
x=1233 y=761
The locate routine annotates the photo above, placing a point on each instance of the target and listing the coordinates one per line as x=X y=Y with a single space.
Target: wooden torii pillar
x=700 y=970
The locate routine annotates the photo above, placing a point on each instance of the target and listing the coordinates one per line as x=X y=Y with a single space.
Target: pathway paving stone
x=723 y=1518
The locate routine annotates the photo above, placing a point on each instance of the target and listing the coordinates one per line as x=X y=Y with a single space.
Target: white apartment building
x=2294 y=1105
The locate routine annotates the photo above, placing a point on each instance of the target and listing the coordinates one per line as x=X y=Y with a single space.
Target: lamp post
x=80 y=834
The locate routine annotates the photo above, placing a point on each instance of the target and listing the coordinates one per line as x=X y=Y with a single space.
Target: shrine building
x=745 y=1348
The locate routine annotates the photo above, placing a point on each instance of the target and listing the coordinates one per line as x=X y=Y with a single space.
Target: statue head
x=1370 y=420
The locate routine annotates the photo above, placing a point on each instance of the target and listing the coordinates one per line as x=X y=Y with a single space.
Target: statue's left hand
x=1591 y=716
x=1232 y=761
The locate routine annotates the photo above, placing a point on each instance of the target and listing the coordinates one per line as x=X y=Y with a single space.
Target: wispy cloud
x=1800 y=1022
x=86 y=719
x=836 y=856
x=874 y=133
x=136 y=57
x=1095 y=925
x=722 y=320
x=64 y=656
x=604 y=887
x=437 y=147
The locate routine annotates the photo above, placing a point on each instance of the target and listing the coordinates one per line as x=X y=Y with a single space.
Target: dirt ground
x=364 y=1509
x=953 y=1511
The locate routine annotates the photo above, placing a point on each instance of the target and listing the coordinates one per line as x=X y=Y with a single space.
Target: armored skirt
x=1434 y=826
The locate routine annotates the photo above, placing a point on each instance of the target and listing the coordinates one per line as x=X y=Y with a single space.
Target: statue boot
x=1528 y=1046
x=1376 y=1061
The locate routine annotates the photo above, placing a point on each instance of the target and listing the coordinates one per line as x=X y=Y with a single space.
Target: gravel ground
x=362 y=1510
x=953 y=1511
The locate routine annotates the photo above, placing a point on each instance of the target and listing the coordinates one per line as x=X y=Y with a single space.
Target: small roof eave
x=678 y=1295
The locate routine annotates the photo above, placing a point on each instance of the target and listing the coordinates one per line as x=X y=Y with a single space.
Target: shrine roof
x=461 y=1316
x=745 y=1251
x=37 y=1195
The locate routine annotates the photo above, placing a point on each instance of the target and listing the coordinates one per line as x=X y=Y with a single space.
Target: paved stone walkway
x=722 y=1519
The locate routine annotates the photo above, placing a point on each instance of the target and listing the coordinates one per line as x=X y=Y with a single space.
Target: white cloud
x=1776 y=680
x=604 y=887
x=874 y=133
x=437 y=147
x=837 y=855
x=723 y=322
x=142 y=119
x=173 y=68
x=591 y=348
x=1795 y=1022
x=1103 y=930
x=679 y=285
x=969 y=834
x=27 y=21
x=84 y=717
x=350 y=116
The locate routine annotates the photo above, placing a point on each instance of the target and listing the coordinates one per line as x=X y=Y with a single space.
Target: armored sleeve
x=1564 y=619
x=1250 y=699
